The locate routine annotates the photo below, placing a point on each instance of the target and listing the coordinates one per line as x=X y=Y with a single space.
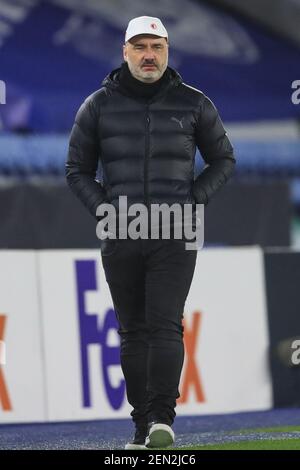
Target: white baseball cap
x=145 y=25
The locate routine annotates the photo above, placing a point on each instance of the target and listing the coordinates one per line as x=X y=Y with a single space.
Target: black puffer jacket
x=147 y=149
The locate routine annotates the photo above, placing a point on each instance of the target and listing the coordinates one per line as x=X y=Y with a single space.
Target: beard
x=145 y=75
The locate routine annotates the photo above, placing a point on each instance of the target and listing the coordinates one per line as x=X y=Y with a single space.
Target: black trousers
x=149 y=281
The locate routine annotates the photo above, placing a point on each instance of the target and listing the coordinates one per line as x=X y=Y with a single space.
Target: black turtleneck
x=140 y=89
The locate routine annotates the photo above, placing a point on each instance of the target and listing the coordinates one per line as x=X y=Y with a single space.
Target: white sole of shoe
x=160 y=435
x=130 y=446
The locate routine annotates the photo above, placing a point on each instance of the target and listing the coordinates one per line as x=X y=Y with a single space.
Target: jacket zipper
x=146 y=160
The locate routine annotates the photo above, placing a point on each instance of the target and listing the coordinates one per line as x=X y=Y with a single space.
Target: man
x=143 y=125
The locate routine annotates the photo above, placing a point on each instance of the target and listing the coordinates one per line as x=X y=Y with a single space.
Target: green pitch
x=256 y=439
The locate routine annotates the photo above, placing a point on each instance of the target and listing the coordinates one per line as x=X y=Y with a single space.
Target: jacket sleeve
x=217 y=152
x=83 y=156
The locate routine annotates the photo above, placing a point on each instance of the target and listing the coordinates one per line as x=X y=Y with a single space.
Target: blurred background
x=245 y=56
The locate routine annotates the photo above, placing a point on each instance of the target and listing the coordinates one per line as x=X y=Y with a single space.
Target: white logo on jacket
x=180 y=122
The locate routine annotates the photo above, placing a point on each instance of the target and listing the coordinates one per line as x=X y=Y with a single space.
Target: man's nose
x=149 y=54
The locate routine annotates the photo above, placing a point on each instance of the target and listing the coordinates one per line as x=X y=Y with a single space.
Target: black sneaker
x=160 y=435
x=138 y=442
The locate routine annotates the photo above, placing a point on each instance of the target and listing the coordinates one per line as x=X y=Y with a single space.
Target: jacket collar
x=112 y=81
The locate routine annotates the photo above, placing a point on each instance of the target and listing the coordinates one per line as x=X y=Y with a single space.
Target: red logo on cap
x=153 y=26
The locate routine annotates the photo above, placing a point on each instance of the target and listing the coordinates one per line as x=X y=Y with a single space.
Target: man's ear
x=125 y=53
